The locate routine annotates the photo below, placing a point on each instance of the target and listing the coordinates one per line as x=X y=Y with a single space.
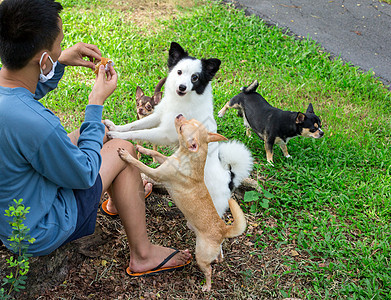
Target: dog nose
x=321 y=133
x=182 y=87
x=179 y=116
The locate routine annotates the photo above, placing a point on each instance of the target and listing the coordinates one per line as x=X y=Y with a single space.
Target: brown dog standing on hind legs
x=183 y=176
x=145 y=105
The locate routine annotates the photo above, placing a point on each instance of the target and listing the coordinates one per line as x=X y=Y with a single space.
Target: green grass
x=332 y=199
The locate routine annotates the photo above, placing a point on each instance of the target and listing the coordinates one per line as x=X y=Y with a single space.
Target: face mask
x=43 y=78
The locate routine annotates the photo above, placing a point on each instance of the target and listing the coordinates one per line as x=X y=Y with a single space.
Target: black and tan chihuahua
x=273 y=125
x=145 y=105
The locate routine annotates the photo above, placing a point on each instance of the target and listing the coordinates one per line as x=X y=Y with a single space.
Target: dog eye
x=194 y=78
x=179 y=72
x=313 y=130
x=148 y=106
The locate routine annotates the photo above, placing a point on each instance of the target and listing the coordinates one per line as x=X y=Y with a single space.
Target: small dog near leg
x=183 y=176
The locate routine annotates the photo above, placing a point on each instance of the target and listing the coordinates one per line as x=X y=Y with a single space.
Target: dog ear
x=310 y=109
x=175 y=54
x=300 y=118
x=211 y=66
x=139 y=93
x=157 y=97
x=215 y=137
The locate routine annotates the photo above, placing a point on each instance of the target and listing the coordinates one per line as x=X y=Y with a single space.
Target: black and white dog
x=188 y=92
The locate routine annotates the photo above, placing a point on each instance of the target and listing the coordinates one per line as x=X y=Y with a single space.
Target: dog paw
x=123 y=153
x=110 y=125
x=113 y=135
x=221 y=113
x=270 y=162
x=288 y=156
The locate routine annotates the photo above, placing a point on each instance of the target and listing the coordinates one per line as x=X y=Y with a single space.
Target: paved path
x=357 y=30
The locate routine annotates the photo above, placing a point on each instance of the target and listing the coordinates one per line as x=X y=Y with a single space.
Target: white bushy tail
x=235 y=156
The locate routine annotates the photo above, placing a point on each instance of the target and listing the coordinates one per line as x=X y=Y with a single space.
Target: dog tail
x=239 y=225
x=251 y=88
x=237 y=159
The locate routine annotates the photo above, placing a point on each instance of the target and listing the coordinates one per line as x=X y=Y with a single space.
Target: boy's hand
x=105 y=85
x=74 y=56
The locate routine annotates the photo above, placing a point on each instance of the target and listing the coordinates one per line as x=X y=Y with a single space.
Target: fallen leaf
x=294 y=253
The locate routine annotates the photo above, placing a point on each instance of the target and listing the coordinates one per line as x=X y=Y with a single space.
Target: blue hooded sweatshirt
x=39 y=164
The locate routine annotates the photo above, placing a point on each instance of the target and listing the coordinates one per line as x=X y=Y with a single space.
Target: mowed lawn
x=329 y=203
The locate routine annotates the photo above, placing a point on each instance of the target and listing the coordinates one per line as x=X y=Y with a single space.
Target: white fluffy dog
x=188 y=92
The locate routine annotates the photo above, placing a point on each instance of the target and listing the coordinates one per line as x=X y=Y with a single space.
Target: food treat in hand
x=107 y=62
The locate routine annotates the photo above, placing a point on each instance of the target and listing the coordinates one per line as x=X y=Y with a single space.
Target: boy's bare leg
x=127 y=192
x=74 y=136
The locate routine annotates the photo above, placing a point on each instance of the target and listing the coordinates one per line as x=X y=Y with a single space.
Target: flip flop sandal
x=105 y=211
x=159 y=268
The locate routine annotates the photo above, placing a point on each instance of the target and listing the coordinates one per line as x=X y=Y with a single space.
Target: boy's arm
x=71 y=166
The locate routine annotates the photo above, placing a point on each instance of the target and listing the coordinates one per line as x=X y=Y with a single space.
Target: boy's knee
x=118 y=143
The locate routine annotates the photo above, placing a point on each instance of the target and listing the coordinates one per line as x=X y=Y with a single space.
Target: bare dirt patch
x=144 y=12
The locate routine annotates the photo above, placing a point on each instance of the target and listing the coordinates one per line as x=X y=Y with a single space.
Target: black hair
x=26 y=27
